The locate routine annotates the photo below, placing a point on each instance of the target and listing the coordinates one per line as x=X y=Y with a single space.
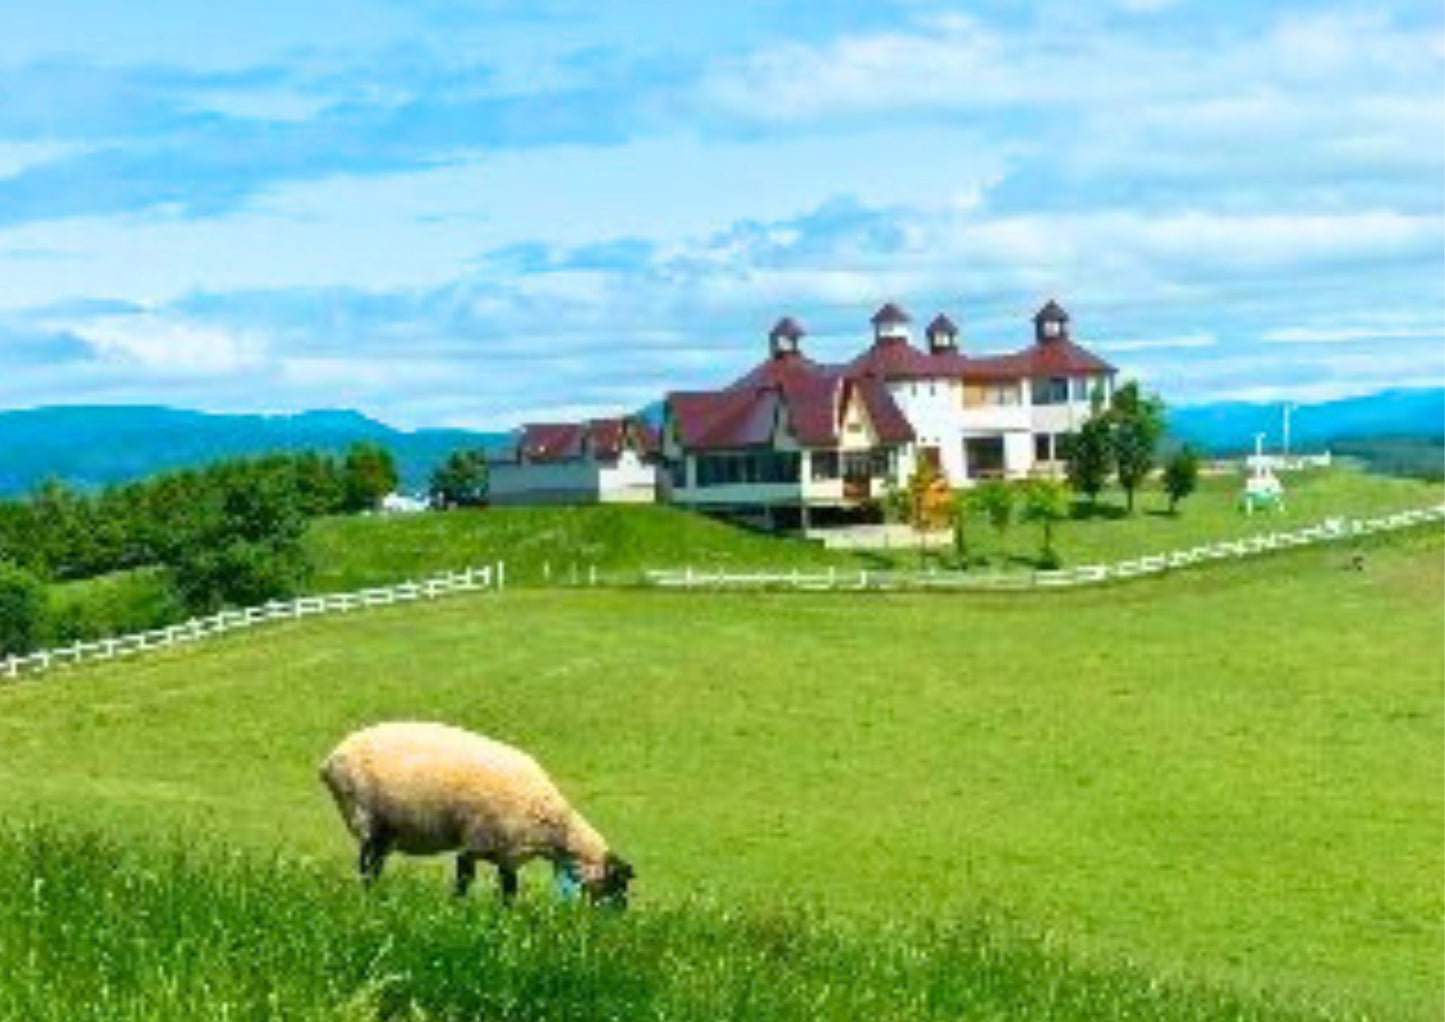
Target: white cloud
x=1198 y=340
x=158 y=344
x=1350 y=334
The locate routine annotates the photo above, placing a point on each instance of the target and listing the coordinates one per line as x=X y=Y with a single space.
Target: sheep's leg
x=466 y=873
x=507 y=882
x=372 y=860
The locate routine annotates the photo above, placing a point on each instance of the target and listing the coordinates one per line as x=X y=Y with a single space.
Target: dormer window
x=1051 y=328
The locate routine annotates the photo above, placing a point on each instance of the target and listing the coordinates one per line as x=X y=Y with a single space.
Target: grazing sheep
x=428 y=788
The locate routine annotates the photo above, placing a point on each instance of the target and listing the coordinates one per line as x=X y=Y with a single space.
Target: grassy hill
x=620 y=542
x=563 y=545
x=1228 y=778
x=541 y=542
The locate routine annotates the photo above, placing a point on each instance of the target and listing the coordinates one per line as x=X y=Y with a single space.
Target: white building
x=603 y=461
x=792 y=434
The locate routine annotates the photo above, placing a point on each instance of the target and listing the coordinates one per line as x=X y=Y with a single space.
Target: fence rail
x=491 y=576
x=1329 y=530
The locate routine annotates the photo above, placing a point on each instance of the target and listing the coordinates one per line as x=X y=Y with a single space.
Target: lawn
x=1232 y=775
x=564 y=545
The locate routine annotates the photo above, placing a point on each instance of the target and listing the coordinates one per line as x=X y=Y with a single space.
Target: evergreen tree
x=1091 y=457
x=1137 y=423
x=368 y=474
x=1181 y=476
x=462 y=480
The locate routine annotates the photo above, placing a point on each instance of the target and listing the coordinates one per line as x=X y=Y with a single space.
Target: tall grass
x=90 y=929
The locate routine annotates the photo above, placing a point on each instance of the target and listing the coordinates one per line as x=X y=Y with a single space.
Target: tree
x=462 y=480
x=1091 y=457
x=994 y=500
x=1137 y=423
x=319 y=483
x=1046 y=501
x=22 y=610
x=368 y=474
x=960 y=510
x=1181 y=476
x=239 y=541
x=927 y=498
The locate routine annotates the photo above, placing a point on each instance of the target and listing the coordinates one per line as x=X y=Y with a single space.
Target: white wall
x=629 y=481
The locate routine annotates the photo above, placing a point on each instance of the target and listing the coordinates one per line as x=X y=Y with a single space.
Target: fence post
x=501 y=575
x=12 y=666
x=592 y=574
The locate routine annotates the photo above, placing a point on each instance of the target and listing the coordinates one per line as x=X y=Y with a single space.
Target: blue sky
x=469 y=212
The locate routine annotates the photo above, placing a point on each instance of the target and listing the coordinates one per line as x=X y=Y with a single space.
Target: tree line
x=225 y=534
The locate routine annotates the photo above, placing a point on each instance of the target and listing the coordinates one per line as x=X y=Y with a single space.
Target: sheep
x=424 y=789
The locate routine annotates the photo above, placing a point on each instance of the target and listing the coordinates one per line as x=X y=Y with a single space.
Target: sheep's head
x=609 y=888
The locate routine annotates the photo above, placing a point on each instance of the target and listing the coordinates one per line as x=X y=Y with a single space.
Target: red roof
x=810 y=405
x=894 y=359
x=1060 y=357
x=598 y=438
x=888 y=421
x=551 y=441
x=778 y=370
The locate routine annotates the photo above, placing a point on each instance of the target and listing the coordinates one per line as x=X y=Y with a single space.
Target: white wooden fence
x=1329 y=530
x=197 y=628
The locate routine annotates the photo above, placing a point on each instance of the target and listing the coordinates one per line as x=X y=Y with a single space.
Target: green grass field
x=563 y=544
x=1230 y=777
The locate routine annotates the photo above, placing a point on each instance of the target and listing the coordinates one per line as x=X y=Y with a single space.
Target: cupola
x=890 y=323
x=1051 y=323
x=942 y=335
x=784 y=336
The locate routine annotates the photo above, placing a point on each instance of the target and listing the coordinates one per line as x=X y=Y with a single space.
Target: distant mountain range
x=91 y=446
x=1230 y=427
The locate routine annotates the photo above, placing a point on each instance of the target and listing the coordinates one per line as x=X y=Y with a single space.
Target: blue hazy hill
x=1230 y=427
x=93 y=445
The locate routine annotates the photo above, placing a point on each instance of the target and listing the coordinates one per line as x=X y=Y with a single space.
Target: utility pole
x=1288 y=407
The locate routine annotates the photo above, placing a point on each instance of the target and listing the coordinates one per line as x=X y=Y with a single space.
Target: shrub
x=22 y=610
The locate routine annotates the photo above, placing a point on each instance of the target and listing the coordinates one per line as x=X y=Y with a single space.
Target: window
x=984 y=457
x=825 y=465
x=1081 y=388
x=1043 y=450
x=735 y=468
x=678 y=472
x=875 y=464
x=1053 y=391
